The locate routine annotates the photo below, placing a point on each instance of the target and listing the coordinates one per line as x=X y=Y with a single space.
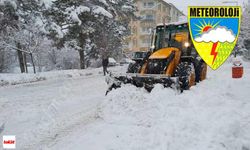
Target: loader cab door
x=162 y=37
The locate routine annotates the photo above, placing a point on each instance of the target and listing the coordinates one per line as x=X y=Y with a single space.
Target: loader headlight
x=186 y=44
x=152 y=47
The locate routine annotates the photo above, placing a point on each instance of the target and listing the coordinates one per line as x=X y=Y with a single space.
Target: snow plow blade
x=147 y=81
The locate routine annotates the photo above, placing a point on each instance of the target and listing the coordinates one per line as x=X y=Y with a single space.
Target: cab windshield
x=172 y=36
x=139 y=55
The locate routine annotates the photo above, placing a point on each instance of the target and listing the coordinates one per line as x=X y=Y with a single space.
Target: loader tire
x=134 y=68
x=201 y=72
x=186 y=74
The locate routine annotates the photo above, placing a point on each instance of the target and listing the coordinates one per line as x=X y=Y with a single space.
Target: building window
x=164 y=20
x=149 y=17
x=151 y=4
x=148 y=4
x=135 y=43
x=146 y=29
x=164 y=9
x=159 y=7
x=146 y=41
x=134 y=31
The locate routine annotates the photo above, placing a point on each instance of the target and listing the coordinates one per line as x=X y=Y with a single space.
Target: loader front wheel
x=134 y=68
x=186 y=74
x=201 y=72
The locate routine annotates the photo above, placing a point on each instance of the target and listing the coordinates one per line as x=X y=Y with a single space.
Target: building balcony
x=147 y=19
x=145 y=36
x=145 y=44
x=147 y=11
x=148 y=8
x=142 y=48
x=148 y=23
x=145 y=33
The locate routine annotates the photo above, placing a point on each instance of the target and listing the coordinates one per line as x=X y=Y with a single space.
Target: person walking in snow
x=105 y=63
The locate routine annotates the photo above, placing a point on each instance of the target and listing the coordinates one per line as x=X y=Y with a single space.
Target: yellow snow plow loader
x=171 y=61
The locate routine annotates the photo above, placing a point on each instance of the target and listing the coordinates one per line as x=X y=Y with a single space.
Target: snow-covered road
x=40 y=111
x=73 y=114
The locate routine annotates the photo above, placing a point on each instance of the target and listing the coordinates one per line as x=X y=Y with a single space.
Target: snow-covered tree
x=22 y=30
x=91 y=27
x=244 y=38
x=8 y=26
x=80 y=30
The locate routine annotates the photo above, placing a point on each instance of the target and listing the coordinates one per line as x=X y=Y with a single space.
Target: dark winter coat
x=105 y=62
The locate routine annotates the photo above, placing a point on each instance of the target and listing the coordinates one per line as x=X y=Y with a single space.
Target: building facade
x=150 y=13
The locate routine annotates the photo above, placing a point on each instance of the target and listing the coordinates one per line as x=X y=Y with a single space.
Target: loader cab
x=174 y=35
x=140 y=55
x=172 y=54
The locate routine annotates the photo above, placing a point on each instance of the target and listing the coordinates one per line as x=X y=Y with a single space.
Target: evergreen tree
x=244 y=38
x=90 y=29
x=93 y=28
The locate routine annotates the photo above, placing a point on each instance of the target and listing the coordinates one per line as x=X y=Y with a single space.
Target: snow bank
x=214 y=115
x=14 y=79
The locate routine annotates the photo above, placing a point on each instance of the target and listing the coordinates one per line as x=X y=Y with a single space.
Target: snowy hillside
x=73 y=113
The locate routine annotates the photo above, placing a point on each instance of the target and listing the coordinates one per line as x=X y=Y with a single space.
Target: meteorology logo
x=214 y=32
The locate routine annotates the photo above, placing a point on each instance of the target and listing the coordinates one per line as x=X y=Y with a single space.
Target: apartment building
x=248 y=5
x=150 y=13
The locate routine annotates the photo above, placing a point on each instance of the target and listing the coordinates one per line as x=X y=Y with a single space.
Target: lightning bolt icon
x=214 y=52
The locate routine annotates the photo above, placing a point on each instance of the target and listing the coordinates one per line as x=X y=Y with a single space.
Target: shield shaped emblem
x=214 y=32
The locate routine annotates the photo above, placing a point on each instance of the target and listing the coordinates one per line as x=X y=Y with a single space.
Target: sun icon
x=205 y=26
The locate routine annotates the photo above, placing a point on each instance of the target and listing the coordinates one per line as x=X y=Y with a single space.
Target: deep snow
x=37 y=113
x=15 y=79
x=72 y=113
x=214 y=115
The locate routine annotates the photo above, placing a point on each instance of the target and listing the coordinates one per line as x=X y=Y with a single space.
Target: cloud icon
x=218 y=34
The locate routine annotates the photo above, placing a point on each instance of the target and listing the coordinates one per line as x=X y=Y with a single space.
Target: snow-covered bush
x=39 y=32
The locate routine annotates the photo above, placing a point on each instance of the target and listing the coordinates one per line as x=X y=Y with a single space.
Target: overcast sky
x=182 y=5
